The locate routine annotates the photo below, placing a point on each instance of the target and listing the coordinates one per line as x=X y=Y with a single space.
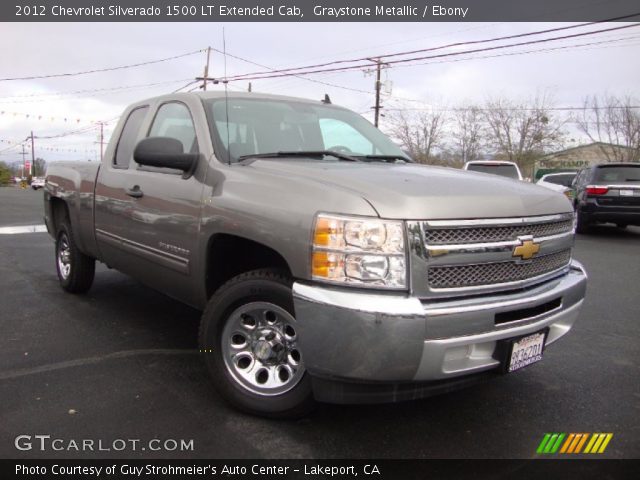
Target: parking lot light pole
x=33 y=156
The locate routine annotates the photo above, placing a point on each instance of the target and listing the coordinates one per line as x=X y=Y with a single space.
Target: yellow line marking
x=584 y=439
x=606 y=442
x=567 y=442
x=596 y=445
x=590 y=444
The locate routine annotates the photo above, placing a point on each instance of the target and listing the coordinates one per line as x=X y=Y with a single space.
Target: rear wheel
x=621 y=225
x=249 y=338
x=75 y=269
x=582 y=223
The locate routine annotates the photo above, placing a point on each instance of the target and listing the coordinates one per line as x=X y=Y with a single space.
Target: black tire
x=81 y=268
x=259 y=286
x=582 y=223
x=621 y=225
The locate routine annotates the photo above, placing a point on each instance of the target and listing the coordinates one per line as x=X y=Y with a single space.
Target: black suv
x=609 y=192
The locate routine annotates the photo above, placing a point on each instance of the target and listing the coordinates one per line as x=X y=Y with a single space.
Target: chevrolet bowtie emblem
x=526 y=250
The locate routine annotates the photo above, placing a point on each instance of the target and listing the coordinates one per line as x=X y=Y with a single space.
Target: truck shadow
x=411 y=429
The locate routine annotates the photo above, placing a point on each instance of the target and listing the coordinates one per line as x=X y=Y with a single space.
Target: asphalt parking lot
x=121 y=363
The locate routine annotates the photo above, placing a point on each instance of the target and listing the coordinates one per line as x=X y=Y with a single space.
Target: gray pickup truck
x=329 y=267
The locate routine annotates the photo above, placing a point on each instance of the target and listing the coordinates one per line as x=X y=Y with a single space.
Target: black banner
x=319 y=469
x=316 y=10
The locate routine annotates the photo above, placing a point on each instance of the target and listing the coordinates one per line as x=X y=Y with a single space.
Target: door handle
x=134 y=192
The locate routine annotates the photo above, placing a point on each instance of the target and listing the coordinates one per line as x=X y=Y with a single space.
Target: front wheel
x=249 y=339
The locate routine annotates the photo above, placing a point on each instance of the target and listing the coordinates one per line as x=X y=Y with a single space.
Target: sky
x=568 y=74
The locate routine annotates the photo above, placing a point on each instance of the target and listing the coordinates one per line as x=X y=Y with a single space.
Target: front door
x=154 y=236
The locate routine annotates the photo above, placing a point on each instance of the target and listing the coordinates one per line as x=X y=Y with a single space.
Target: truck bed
x=74 y=183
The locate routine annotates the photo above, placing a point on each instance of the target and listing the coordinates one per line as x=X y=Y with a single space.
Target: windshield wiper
x=632 y=179
x=386 y=158
x=308 y=153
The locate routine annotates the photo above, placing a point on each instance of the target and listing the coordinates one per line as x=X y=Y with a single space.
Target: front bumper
x=356 y=336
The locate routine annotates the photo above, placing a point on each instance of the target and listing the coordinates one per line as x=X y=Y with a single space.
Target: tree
x=39 y=167
x=420 y=133
x=521 y=132
x=5 y=174
x=614 y=121
x=467 y=133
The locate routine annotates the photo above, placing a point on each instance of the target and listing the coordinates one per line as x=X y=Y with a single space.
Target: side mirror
x=164 y=152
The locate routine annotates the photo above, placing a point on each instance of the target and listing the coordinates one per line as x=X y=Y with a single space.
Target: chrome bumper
x=381 y=337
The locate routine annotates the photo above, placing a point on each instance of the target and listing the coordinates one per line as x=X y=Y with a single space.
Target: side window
x=174 y=120
x=586 y=176
x=128 y=137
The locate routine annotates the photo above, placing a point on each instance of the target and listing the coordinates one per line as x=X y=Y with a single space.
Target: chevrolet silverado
x=329 y=267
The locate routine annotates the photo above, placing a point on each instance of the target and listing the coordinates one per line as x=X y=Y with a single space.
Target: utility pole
x=378 y=87
x=101 y=141
x=24 y=154
x=206 y=70
x=249 y=87
x=33 y=155
x=377 y=92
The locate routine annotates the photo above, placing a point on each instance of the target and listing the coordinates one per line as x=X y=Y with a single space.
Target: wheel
x=621 y=225
x=248 y=337
x=582 y=223
x=75 y=269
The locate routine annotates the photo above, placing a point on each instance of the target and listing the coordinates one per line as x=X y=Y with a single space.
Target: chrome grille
x=459 y=276
x=497 y=233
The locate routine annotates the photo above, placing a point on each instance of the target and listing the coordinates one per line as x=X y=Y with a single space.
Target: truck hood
x=411 y=191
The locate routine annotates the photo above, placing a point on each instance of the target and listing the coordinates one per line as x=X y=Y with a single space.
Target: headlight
x=359 y=252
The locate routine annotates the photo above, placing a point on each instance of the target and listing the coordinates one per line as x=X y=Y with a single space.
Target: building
x=582 y=156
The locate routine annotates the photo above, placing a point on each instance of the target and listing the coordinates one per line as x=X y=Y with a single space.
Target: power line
x=506 y=55
x=477 y=27
x=430 y=49
x=185 y=86
x=77 y=131
x=89 y=90
x=98 y=70
x=298 y=76
x=414 y=59
x=13 y=146
x=523 y=52
x=517 y=109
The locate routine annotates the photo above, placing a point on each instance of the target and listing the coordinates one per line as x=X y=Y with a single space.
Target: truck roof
x=489 y=162
x=235 y=95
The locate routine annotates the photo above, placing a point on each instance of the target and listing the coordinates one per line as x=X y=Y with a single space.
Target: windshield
x=564 y=179
x=261 y=126
x=509 y=171
x=617 y=174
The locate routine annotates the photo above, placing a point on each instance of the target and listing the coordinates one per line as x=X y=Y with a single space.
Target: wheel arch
x=59 y=211
x=229 y=255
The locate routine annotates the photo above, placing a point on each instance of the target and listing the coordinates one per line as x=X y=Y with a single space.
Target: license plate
x=626 y=193
x=525 y=351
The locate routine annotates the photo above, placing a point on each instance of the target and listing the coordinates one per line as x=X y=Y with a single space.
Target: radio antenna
x=226 y=95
